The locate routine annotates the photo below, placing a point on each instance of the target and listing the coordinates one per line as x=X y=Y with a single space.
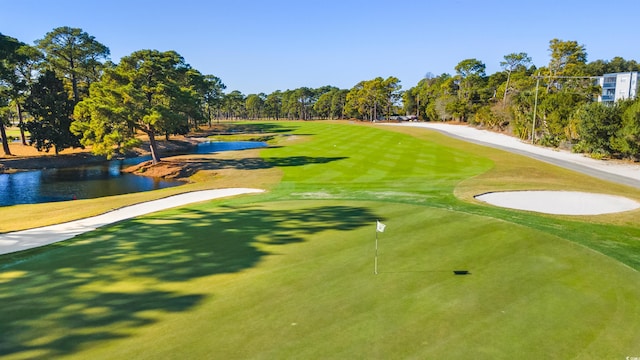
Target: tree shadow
x=100 y=286
x=187 y=166
x=249 y=128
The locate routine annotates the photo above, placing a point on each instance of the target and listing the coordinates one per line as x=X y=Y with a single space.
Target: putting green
x=289 y=274
x=295 y=279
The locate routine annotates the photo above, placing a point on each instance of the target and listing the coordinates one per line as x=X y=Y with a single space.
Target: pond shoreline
x=15 y=164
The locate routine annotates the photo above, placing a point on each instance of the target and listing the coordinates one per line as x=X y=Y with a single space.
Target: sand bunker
x=560 y=202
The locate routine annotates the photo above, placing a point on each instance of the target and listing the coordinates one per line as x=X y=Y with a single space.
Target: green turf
x=13 y=132
x=289 y=274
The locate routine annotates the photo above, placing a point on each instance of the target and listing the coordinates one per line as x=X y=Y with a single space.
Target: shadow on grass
x=249 y=128
x=195 y=164
x=62 y=298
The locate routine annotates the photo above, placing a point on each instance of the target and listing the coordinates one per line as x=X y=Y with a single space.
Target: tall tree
x=212 y=95
x=145 y=92
x=75 y=56
x=304 y=98
x=51 y=109
x=371 y=98
x=27 y=64
x=568 y=58
x=512 y=62
x=322 y=107
x=255 y=105
x=10 y=83
x=273 y=105
x=233 y=105
x=471 y=78
x=338 y=101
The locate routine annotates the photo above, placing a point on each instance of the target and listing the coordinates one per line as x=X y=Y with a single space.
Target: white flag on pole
x=380 y=226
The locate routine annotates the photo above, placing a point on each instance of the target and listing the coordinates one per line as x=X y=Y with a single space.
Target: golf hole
x=560 y=202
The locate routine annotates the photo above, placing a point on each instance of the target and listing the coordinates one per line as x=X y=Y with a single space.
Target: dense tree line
x=555 y=105
x=66 y=92
x=75 y=97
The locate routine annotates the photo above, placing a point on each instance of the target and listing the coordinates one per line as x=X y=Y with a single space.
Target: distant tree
x=598 y=126
x=27 y=65
x=512 y=62
x=470 y=67
x=410 y=101
x=75 y=56
x=233 y=105
x=255 y=105
x=627 y=140
x=471 y=80
x=187 y=102
x=288 y=104
x=9 y=83
x=51 y=109
x=338 y=101
x=428 y=90
x=323 y=105
x=568 y=58
x=371 y=98
x=618 y=64
x=212 y=95
x=18 y=64
x=304 y=100
x=391 y=93
x=615 y=65
x=273 y=105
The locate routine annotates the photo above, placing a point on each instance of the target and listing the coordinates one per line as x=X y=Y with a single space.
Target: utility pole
x=535 y=109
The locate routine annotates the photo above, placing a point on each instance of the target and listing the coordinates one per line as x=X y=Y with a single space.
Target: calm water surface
x=93 y=181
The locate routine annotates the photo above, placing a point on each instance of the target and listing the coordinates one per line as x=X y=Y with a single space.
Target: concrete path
x=627 y=174
x=27 y=239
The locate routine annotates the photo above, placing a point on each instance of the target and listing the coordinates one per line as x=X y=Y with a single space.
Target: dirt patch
x=166 y=169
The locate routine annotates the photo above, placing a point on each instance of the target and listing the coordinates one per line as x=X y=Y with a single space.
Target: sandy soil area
x=560 y=202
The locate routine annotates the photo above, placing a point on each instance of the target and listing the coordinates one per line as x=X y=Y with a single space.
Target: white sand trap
x=560 y=202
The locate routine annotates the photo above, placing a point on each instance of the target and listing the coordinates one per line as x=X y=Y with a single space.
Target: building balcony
x=608 y=85
x=608 y=97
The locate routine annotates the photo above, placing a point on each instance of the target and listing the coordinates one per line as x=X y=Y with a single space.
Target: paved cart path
x=622 y=173
x=27 y=239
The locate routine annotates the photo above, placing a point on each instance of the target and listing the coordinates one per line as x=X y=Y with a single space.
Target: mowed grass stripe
x=377 y=160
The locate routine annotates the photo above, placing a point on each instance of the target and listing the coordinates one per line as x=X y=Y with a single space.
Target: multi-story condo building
x=618 y=86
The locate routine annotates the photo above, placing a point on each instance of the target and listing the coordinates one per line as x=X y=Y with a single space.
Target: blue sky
x=263 y=46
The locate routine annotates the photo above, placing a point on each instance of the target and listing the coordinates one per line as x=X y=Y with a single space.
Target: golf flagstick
x=375 y=261
x=379 y=228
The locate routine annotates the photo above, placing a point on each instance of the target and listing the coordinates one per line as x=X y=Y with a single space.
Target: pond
x=92 y=181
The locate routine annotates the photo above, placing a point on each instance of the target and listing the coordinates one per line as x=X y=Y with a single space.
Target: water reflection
x=50 y=185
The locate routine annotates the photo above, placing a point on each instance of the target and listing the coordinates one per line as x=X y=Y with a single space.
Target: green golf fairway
x=290 y=274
